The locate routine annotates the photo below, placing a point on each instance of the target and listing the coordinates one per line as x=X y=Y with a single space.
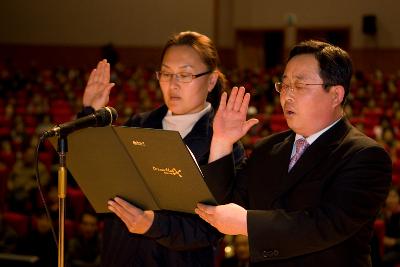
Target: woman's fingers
x=107 y=73
x=92 y=76
x=239 y=99
x=104 y=67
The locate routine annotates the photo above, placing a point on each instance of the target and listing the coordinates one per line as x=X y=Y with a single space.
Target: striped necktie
x=301 y=145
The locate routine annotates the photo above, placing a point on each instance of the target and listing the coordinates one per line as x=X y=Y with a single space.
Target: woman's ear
x=212 y=80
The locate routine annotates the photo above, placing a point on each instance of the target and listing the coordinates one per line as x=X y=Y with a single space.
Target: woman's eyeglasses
x=184 y=77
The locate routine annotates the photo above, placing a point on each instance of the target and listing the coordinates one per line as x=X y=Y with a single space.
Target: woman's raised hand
x=98 y=87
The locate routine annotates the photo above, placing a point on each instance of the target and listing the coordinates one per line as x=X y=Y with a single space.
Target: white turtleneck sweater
x=183 y=123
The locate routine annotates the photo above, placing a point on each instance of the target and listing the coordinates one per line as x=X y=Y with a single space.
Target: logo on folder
x=168 y=171
x=138 y=143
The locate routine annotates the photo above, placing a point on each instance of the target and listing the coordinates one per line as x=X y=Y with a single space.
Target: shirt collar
x=315 y=136
x=183 y=123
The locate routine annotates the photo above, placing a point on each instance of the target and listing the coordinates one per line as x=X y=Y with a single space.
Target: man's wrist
x=219 y=148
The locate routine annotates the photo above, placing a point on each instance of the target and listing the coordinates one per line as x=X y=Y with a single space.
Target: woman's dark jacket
x=175 y=238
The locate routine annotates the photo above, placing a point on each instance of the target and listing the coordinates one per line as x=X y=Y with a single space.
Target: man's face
x=307 y=106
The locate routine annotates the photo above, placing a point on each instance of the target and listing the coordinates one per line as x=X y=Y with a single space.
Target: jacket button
x=267 y=254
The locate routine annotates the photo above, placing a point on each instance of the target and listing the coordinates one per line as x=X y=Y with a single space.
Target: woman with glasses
x=191 y=83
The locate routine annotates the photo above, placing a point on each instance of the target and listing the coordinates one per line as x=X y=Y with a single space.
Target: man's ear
x=212 y=80
x=337 y=92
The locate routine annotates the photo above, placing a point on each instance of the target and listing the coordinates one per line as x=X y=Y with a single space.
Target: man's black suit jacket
x=321 y=213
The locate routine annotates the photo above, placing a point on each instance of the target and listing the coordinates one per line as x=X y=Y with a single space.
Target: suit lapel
x=316 y=153
x=280 y=153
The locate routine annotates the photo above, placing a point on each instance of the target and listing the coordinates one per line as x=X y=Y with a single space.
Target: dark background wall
x=72 y=32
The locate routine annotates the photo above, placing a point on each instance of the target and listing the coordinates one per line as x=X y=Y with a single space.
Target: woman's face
x=180 y=97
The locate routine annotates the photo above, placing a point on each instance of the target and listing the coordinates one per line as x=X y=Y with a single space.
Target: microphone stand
x=62 y=149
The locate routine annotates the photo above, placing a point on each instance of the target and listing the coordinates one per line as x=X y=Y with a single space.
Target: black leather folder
x=153 y=169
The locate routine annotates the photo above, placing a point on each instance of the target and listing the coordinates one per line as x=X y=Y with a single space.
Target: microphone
x=101 y=117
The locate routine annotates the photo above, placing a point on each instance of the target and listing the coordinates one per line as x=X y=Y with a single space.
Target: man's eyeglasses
x=297 y=88
x=184 y=77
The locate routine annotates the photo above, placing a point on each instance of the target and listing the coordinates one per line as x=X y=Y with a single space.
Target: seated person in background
x=241 y=256
x=84 y=249
x=8 y=237
x=21 y=183
x=40 y=241
x=391 y=240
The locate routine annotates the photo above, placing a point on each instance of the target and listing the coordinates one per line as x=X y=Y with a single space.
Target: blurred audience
x=84 y=249
x=40 y=242
x=241 y=253
x=34 y=99
x=391 y=239
x=8 y=237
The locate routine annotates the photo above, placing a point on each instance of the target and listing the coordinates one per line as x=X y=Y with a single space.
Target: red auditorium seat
x=21 y=110
x=5 y=122
x=395 y=179
x=18 y=221
x=398 y=149
x=46 y=158
x=7 y=158
x=5 y=131
x=4 y=172
x=70 y=229
x=30 y=121
x=277 y=118
x=373 y=116
x=76 y=200
x=357 y=120
x=278 y=123
x=379 y=229
x=396 y=167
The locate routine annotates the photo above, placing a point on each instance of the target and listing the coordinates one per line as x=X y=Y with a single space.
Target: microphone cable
x=37 y=175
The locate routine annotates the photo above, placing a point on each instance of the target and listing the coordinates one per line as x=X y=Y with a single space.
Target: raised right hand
x=230 y=122
x=98 y=87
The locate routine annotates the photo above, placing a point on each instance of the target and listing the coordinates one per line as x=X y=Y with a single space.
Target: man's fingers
x=206 y=208
x=232 y=98
x=205 y=216
x=207 y=213
x=222 y=102
x=250 y=123
x=245 y=104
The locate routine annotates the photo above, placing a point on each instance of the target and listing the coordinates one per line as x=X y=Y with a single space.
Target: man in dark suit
x=307 y=196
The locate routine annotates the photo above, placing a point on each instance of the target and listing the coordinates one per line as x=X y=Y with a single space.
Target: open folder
x=153 y=169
